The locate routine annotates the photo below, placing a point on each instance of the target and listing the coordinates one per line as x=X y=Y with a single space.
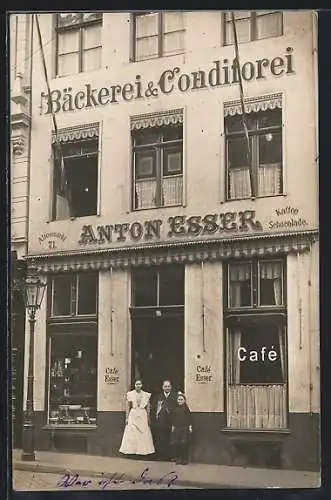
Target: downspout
x=316 y=119
x=315 y=91
x=29 y=135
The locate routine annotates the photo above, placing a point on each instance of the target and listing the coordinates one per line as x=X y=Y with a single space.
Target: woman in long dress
x=137 y=437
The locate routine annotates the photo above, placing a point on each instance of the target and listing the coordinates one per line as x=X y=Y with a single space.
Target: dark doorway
x=158 y=351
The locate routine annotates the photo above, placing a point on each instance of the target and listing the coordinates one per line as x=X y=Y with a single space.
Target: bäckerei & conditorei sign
x=223 y=72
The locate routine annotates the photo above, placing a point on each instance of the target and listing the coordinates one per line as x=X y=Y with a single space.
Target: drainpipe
x=315 y=91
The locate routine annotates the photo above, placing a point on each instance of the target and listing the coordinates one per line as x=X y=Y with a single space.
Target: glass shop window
x=74 y=294
x=73 y=379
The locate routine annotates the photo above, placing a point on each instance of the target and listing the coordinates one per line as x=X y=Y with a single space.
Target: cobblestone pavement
x=42 y=481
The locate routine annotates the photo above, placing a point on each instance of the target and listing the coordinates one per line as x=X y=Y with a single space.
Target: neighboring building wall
x=20 y=120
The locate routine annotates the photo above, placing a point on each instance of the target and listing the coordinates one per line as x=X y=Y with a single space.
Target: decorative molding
x=149 y=120
x=253 y=104
x=68 y=134
x=18 y=144
x=20 y=120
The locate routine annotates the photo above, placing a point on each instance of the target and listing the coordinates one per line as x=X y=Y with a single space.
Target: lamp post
x=34 y=290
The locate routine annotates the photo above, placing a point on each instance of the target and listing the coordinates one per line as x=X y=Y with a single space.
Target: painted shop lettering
x=178 y=226
x=203 y=373
x=223 y=72
x=112 y=375
x=287 y=223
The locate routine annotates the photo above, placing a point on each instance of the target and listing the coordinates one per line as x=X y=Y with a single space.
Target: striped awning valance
x=253 y=104
x=149 y=120
x=208 y=252
x=81 y=132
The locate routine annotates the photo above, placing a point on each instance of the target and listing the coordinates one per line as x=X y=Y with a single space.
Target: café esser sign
x=221 y=72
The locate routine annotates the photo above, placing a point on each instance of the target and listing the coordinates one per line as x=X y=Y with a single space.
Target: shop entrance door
x=158 y=351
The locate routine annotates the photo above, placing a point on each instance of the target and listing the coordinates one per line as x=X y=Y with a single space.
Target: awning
x=253 y=104
x=184 y=253
x=69 y=134
x=149 y=120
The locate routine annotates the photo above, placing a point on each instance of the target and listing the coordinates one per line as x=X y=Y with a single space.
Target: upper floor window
x=264 y=123
x=75 y=174
x=252 y=26
x=157 y=160
x=157 y=34
x=78 y=37
x=74 y=294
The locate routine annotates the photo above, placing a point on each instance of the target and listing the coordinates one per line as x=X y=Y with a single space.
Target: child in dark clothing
x=181 y=429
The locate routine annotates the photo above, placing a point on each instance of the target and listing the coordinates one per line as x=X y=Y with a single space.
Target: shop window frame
x=242 y=316
x=88 y=329
x=74 y=299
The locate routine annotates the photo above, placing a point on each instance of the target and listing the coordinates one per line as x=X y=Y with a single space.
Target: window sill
x=71 y=427
x=253 y=198
x=134 y=61
x=232 y=430
x=158 y=208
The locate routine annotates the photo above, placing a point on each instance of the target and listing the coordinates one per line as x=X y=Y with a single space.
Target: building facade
x=20 y=120
x=166 y=255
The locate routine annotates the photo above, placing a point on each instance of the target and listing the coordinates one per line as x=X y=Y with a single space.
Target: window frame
x=159 y=148
x=254 y=133
x=95 y=154
x=74 y=297
x=252 y=20
x=91 y=332
x=157 y=269
x=160 y=36
x=255 y=308
x=256 y=313
x=80 y=27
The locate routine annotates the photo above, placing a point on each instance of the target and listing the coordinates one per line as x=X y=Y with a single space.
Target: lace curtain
x=269 y=179
x=238 y=274
x=257 y=407
x=272 y=271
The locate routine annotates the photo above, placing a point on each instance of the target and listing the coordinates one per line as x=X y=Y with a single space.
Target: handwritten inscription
x=73 y=480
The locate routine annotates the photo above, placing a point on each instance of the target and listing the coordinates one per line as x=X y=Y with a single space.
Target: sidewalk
x=195 y=475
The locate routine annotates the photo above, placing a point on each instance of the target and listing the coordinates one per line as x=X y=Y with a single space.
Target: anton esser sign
x=221 y=73
x=178 y=226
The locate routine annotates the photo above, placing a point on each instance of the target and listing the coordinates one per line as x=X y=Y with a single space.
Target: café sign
x=176 y=227
x=220 y=73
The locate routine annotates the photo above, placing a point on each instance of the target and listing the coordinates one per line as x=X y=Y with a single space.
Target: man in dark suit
x=161 y=408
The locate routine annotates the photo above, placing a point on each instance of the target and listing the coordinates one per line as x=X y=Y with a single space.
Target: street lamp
x=33 y=293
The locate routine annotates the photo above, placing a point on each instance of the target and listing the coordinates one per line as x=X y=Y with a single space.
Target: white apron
x=137 y=438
